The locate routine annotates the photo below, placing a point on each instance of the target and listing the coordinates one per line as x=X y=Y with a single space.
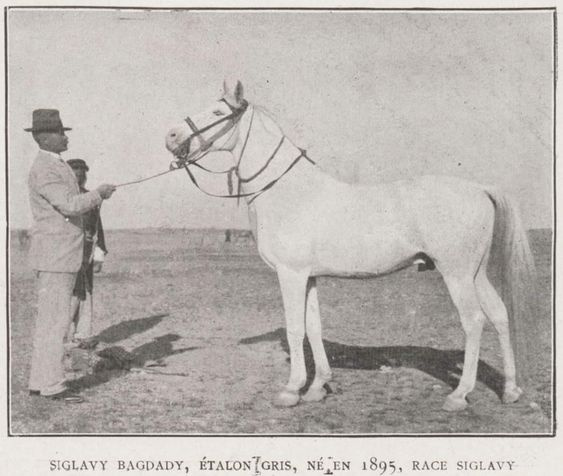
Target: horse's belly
x=357 y=255
x=365 y=233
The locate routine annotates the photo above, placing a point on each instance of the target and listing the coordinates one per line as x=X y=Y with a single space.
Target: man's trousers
x=51 y=325
x=81 y=315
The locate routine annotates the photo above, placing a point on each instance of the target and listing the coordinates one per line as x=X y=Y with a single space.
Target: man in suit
x=82 y=305
x=56 y=250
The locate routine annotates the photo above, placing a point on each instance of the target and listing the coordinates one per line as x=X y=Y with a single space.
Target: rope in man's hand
x=173 y=167
x=144 y=179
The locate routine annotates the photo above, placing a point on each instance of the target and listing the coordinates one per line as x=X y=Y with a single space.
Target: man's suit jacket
x=57 y=205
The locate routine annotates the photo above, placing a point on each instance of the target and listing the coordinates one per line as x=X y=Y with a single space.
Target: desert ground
x=203 y=323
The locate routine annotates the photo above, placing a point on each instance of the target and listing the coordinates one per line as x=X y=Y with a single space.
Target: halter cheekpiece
x=185 y=159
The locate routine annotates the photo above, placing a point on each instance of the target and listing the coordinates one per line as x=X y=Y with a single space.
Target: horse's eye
x=218 y=113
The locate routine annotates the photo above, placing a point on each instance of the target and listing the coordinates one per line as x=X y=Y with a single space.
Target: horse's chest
x=281 y=247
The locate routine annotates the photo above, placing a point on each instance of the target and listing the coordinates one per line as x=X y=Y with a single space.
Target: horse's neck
x=260 y=137
x=263 y=152
x=267 y=155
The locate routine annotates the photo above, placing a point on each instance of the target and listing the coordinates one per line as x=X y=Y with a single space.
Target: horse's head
x=214 y=129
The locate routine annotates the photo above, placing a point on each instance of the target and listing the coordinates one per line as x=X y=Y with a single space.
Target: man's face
x=80 y=175
x=55 y=142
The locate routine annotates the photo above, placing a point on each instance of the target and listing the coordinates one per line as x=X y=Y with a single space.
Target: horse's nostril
x=172 y=135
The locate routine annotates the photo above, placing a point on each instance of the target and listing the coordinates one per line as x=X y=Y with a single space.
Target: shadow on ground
x=444 y=365
x=125 y=329
x=115 y=361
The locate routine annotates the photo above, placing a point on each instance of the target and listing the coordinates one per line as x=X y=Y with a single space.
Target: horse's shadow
x=444 y=365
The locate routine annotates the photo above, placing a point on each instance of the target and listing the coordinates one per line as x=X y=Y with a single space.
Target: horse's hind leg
x=293 y=287
x=323 y=374
x=464 y=295
x=496 y=311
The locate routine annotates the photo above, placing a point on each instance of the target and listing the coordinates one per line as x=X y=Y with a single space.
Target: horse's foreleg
x=293 y=287
x=464 y=296
x=323 y=373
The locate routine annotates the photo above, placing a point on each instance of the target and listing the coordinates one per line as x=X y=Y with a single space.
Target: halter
x=234 y=117
x=185 y=159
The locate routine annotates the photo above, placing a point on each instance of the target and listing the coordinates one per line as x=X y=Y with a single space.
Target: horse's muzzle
x=183 y=150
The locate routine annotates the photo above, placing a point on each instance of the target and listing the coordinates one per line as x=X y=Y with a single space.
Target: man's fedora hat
x=78 y=164
x=46 y=120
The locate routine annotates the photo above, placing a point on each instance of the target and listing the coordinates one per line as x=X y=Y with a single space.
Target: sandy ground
x=204 y=323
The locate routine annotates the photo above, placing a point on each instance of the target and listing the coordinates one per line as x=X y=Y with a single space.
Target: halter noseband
x=234 y=117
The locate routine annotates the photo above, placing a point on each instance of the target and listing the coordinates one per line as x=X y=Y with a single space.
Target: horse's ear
x=239 y=93
x=226 y=87
x=233 y=91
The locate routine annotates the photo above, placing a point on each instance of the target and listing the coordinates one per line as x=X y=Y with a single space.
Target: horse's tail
x=514 y=275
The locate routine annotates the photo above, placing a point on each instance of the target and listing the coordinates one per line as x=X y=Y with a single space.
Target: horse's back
x=431 y=199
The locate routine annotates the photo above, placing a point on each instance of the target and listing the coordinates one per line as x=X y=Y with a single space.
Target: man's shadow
x=125 y=329
x=444 y=365
x=115 y=361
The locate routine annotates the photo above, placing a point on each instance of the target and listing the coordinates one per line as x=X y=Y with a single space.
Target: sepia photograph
x=280 y=222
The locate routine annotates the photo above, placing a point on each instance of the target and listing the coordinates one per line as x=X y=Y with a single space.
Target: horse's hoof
x=454 y=404
x=314 y=395
x=286 y=399
x=512 y=395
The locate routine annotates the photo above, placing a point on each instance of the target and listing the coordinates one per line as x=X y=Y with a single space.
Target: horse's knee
x=473 y=322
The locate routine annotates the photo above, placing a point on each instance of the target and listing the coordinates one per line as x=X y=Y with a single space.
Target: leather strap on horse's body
x=236 y=114
x=255 y=194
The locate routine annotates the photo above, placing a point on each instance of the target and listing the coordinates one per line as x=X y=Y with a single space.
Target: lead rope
x=171 y=169
x=206 y=150
x=230 y=172
x=125 y=184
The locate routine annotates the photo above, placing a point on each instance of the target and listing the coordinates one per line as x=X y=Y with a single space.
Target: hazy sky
x=373 y=96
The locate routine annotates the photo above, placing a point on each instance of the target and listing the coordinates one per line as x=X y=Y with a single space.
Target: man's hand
x=99 y=256
x=105 y=190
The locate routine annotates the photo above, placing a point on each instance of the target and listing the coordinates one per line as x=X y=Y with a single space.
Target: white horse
x=308 y=224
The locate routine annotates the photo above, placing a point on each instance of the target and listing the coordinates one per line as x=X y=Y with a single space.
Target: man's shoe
x=66 y=396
